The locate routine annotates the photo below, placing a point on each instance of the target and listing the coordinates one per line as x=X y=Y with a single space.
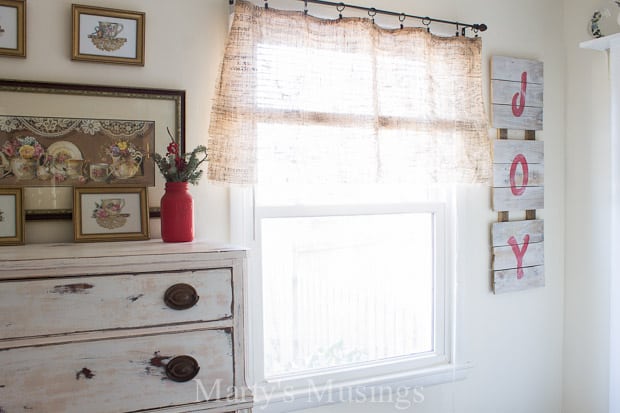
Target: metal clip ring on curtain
x=427 y=22
x=372 y=13
x=340 y=7
x=401 y=19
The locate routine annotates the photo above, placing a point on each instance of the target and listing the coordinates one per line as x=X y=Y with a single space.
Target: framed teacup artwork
x=13 y=28
x=110 y=214
x=107 y=35
x=11 y=216
x=56 y=136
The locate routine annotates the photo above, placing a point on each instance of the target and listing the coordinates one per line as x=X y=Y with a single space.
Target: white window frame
x=326 y=386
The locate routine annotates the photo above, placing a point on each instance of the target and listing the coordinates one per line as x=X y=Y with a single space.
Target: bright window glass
x=341 y=290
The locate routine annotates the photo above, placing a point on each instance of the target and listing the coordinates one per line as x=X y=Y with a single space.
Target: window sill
x=401 y=390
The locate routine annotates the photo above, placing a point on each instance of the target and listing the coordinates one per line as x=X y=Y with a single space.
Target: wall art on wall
x=13 y=28
x=11 y=216
x=49 y=200
x=110 y=214
x=43 y=151
x=518 y=174
x=518 y=255
x=518 y=185
x=516 y=93
x=107 y=35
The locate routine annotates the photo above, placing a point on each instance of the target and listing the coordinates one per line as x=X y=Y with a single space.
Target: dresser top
x=109 y=249
x=103 y=257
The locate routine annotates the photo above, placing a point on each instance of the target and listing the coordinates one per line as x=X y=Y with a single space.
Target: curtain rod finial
x=482 y=27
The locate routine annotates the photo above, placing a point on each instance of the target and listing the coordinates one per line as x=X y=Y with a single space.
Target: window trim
x=299 y=391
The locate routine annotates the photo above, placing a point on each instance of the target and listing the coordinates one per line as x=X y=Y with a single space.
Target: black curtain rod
x=476 y=27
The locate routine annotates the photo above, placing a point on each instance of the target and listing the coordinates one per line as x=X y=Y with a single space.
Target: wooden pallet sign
x=518 y=255
x=518 y=175
x=516 y=93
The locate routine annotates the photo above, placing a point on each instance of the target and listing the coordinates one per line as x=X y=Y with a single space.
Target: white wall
x=588 y=203
x=514 y=340
x=184 y=42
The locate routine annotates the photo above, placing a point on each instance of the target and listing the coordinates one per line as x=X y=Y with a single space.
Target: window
x=351 y=263
x=351 y=138
x=347 y=285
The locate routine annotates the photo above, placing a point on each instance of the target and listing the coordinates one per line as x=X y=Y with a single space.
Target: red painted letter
x=519 y=159
x=517 y=109
x=519 y=253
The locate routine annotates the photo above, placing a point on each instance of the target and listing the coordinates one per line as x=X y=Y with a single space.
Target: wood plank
x=503 y=91
x=101 y=259
x=507 y=281
x=114 y=375
x=99 y=299
x=504 y=151
x=510 y=68
x=502 y=117
x=502 y=231
x=504 y=258
x=501 y=175
x=532 y=198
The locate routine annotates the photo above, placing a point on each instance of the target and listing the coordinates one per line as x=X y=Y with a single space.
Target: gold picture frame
x=49 y=99
x=107 y=35
x=11 y=216
x=13 y=28
x=110 y=214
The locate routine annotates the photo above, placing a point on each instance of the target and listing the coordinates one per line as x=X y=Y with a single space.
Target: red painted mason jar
x=177 y=213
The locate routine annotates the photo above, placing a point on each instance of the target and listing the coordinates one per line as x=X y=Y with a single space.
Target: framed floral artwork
x=107 y=35
x=11 y=216
x=13 y=28
x=54 y=151
x=83 y=135
x=110 y=214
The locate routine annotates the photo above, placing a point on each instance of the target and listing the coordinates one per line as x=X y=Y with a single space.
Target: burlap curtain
x=308 y=100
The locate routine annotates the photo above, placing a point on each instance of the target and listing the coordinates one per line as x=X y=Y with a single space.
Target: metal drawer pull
x=182 y=368
x=181 y=297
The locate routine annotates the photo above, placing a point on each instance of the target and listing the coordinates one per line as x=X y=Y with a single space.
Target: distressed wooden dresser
x=122 y=327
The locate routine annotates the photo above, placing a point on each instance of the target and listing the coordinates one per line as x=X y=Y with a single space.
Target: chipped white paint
x=516 y=93
x=109 y=302
x=510 y=68
x=501 y=175
x=70 y=312
x=504 y=257
x=518 y=255
x=113 y=375
x=518 y=175
x=507 y=280
x=504 y=151
x=531 y=119
x=502 y=231
x=505 y=200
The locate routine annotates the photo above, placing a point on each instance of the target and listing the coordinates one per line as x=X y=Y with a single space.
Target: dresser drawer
x=116 y=375
x=64 y=305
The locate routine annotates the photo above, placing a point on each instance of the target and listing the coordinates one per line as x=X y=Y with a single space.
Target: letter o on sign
x=518 y=160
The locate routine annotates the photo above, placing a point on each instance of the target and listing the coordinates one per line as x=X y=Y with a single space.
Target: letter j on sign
x=516 y=93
